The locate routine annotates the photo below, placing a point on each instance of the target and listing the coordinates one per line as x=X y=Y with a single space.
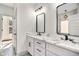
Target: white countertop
x=56 y=41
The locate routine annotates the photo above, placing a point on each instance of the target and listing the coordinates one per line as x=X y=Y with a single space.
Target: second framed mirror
x=40 y=23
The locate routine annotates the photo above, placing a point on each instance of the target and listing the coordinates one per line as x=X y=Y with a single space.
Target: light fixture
x=39 y=10
x=65 y=15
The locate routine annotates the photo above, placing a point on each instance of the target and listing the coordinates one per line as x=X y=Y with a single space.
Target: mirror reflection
x=7 y=30
x=40 y=23
x=68 y=19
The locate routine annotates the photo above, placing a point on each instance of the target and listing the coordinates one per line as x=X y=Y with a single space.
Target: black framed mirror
x=68 y=19
x=40 y=23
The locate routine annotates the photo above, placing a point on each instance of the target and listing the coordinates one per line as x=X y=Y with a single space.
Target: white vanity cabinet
x=30 y=45
x=54 y=50
x=36 y=47
x=49 y=50
x=39 y=47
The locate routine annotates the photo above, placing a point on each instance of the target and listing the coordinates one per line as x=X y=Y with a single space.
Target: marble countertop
x=57 y=41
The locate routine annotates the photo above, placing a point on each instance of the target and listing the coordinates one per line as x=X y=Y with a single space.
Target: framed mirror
x=40 y=23
x=68 y=19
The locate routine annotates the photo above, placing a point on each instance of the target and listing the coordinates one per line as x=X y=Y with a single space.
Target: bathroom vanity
x=67 y=25
x=48 y=46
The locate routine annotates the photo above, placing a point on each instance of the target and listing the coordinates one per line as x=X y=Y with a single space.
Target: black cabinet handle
x=38 y=42
x=38 y=50
x=29 y=44
x=14 y=33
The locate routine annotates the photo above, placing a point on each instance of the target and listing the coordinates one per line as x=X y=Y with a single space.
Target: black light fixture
x=38 y=8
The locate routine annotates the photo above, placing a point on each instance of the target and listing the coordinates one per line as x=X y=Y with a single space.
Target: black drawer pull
x=38 y=50
x=38 y=42
x=29 y=44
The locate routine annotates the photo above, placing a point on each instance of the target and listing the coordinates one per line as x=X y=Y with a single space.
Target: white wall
x=25 y=23
x=5 y=10
x=51 y=19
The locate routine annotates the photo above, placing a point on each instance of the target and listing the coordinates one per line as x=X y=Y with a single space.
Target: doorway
x=6 y=36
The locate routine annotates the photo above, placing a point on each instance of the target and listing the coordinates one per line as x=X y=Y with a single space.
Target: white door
x=14 y=33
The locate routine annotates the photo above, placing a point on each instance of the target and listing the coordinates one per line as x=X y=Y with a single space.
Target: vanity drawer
x=40 y=50
x=49 y=53
x=36 y=54
x=40 y=43
x=59 y=50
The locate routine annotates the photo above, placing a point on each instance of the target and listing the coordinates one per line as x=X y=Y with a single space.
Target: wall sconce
x=39 y=10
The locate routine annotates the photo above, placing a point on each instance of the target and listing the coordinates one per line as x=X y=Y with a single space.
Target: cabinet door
x=36 y=54
x=39 y=47
x=60 y=51
x=30 y=45
x=48 y=53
